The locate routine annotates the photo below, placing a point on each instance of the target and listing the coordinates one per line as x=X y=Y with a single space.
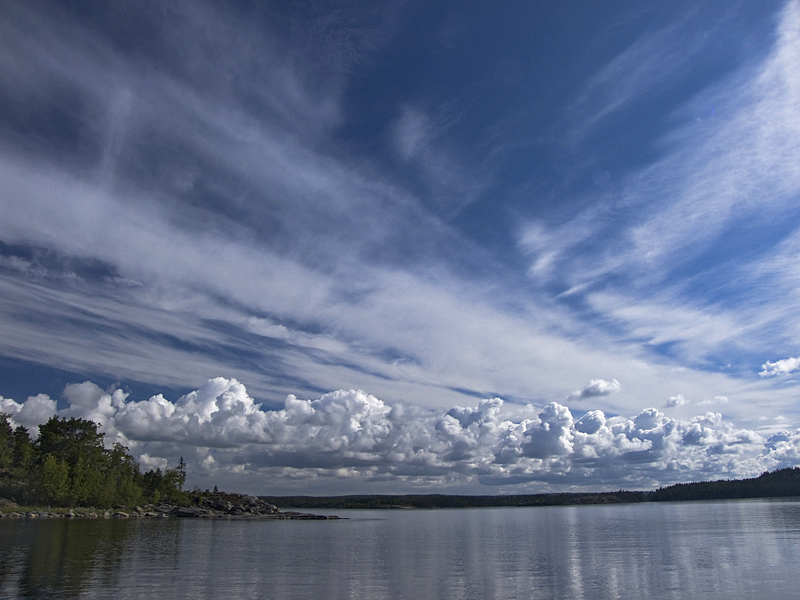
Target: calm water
x=708 y=550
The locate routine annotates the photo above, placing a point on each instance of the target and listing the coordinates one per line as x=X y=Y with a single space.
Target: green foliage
x=22 y=450
x=166 y=486
x=69 y=465
x=123 y=478
x=6 y=443
x=72 y=439
x=780 y=483
x=54 y=482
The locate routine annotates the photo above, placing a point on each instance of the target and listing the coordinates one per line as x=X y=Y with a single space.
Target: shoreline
x=782 y=483
x=232 y=508
x=85 y=513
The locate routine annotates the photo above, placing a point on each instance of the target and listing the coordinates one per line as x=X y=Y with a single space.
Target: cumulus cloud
x=595 y=388
x=674 y=401
x=350 y=435
x=31 y=413
x=780 y=367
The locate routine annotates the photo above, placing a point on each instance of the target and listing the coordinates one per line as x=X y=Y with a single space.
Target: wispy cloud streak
x=676 y=256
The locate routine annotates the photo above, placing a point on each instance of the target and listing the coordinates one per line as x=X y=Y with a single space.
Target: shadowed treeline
x=780 y=483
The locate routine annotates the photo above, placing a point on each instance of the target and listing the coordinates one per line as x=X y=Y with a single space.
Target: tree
x=22 y=453
x=54 y=481
x=124 y=476
x=71 y=439
x=78 y=446
x=180 y=475
x=16 y=460
x=166 y=485
x=70 y=465
x=86 y=482
x=6 y=441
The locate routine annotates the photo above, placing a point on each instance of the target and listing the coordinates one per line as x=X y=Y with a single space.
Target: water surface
x=728 y=550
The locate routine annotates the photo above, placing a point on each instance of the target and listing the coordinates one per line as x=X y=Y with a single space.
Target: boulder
x=191 y=512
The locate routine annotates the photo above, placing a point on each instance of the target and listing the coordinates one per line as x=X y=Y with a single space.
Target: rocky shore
x=217 y=506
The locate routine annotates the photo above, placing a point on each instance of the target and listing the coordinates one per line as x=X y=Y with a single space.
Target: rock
x=234 y=505
x=191 y=512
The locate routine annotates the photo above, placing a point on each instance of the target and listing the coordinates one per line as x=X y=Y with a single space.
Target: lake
x=733 y=549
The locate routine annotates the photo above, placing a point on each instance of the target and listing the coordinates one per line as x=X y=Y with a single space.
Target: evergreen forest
x=69 y=465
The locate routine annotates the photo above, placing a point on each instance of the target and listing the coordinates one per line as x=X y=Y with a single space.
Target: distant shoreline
x=782 y=483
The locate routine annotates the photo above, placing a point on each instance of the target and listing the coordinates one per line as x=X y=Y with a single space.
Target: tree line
x=451 y=500
x=69 y=465
x=780 y=483
x=775 y=484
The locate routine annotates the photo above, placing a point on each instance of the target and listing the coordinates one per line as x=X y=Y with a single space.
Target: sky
x=332 y=247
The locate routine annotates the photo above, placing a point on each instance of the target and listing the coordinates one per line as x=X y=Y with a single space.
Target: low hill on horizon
x=775 y=484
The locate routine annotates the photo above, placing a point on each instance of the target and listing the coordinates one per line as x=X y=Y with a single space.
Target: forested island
x=775 y=484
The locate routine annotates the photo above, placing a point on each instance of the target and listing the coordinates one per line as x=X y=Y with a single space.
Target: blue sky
x=480 y=248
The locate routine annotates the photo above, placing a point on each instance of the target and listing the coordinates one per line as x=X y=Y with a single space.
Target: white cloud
x=678 y=400
x=681 y=400
x=194 y=267
x=279 y=250
x=780 y=367
x=709 y=180
x=267 y=328
x=31 y=413
x=596 y=387
x=743 y=169
x=354 y=436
